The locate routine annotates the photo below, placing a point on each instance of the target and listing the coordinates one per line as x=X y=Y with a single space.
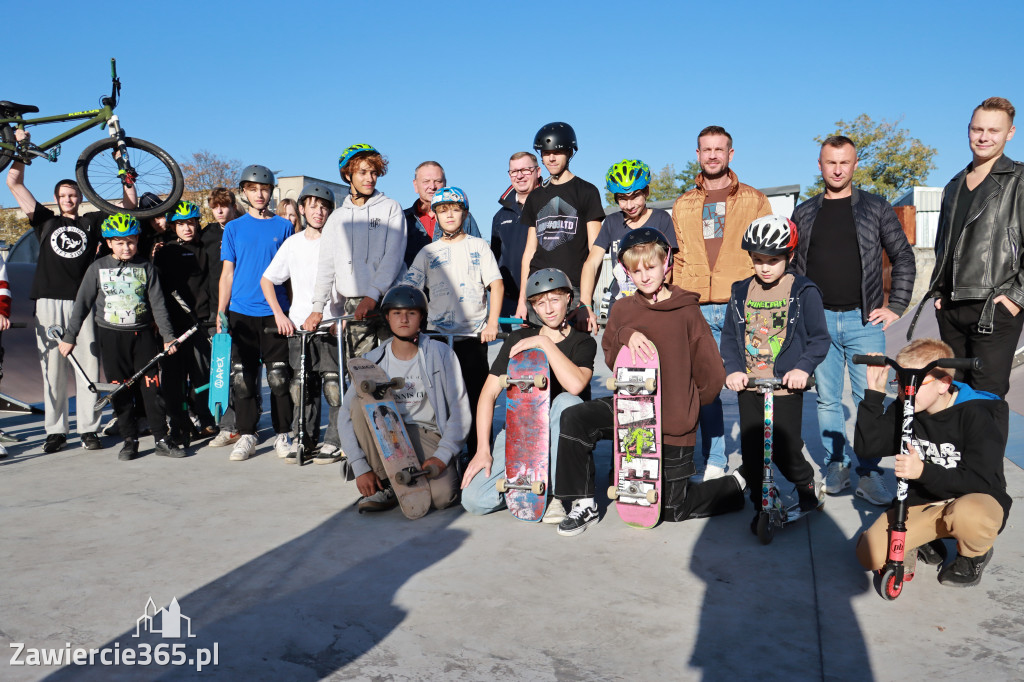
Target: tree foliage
x=205 y=172
x=889 y=160
x=11 y=226
x=667 y=183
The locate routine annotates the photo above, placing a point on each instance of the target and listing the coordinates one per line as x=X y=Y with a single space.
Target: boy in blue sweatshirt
x=774 y=327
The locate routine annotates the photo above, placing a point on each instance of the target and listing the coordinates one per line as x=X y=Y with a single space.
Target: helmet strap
x=448 y=236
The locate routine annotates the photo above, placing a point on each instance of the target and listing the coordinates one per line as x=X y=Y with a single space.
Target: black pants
x=958 y=326
x=123 y=353
x=787 y=442
x=186 y=370
x=321 y=356
x=585 y=424
x=472 y=357
x=251 y=345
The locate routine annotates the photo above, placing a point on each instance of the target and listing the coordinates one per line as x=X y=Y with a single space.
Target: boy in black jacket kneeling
x=955 y=467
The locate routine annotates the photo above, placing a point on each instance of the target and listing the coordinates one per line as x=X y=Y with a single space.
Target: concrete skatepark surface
x=273 y=566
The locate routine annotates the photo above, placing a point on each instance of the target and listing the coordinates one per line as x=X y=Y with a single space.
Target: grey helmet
x=403 y=296
x=258 y=174
x=548 y=279
x=318 y=190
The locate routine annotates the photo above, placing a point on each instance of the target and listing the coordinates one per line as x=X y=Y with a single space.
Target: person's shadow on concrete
x=307 y=609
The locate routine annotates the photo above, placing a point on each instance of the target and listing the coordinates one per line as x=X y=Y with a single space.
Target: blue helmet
x=119 y=225
x=183 y=211
x=450 y=195
x=628 y=176
x=352 y=150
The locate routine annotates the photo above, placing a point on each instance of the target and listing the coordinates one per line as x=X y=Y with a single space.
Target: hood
x=965 y=393
x=680 y=298
x=375 y=198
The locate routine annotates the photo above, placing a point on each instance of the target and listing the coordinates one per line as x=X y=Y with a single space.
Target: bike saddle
x=18 y=108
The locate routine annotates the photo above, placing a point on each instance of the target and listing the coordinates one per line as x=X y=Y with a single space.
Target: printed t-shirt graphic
x=557 y=223
x=713 y=222
x=766 y=315
x=125 y=294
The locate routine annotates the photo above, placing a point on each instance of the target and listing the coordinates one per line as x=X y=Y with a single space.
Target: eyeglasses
x=522 y=171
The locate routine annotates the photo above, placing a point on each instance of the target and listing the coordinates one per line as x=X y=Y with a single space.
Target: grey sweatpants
x=55 y=369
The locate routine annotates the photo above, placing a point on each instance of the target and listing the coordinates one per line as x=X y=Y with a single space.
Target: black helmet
x=642 y=235
x=318 y=190
x=403 y=296
x=548 y=279
x=149 y=200
x=258 y=174
x=554 y=137
x=771 y=235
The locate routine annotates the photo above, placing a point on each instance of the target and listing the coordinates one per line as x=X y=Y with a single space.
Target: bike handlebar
x=113 y=69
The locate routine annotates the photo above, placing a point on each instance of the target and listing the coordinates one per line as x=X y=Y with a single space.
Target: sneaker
x=282 y=444
x=713 y=471
x=244 y=448
x=329 y=453
x=223 y=438
x=90 y=441
x=208 y=431
x=382 y=500
x=578 y=519
x=166 y=448
x=812 y=497
x=872 y=488
x=932 y=553
x=555 y=512
x=7 y=438
x=55 y=442
x=293 y=453
x=3 y=452
x=111 y=429
x=740 y=481
x=837 y=478
x=965 y=571
x=128 y=450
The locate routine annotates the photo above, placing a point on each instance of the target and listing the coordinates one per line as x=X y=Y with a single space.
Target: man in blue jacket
x=842 y=232
x=420 y=221
x=508 y=234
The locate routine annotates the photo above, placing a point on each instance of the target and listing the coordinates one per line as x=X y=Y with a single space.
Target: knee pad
x=294 y=390
x=241 y=383
x=332 y=389
x=277 y=378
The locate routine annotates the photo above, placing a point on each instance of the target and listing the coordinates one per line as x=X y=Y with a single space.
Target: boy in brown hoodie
x=657 y=316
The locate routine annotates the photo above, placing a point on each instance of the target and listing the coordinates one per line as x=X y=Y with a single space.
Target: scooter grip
x=960 y=363
x=876 y=360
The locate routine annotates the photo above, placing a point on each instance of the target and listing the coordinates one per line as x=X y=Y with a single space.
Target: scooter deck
x=220 y=373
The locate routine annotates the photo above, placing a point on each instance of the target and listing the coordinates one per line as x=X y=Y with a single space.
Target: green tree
x=11 y=226
x=687 y=178
x=889 y=160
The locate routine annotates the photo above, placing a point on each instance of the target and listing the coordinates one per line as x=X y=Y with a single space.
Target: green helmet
x=628 y=176
x=351 y=151
x=119 y=225
x=183 y=211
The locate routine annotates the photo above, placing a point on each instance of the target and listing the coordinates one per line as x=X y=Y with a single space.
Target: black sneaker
x=55 y=442
x=965 y=571
x=578 y=519
x=810 y=498
x=129 y=450
x=932 y=553
x=166 y=448
x=90 y=441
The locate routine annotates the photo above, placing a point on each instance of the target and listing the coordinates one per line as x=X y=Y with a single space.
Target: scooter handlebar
x=876 y=360
x=959 y=363
x=773 y=382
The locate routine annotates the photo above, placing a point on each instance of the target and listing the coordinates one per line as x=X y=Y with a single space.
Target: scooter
x=891 y=577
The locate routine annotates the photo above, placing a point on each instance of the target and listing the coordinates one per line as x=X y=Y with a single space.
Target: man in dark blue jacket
x=508 y=234
x=842 y=234
x=419 y=219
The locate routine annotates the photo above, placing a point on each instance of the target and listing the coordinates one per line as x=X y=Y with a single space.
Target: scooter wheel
x=888 y=586
x=765 y=529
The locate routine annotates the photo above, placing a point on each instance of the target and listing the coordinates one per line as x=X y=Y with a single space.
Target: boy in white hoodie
x=361 y=250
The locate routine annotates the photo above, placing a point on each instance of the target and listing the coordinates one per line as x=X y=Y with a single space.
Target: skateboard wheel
x=503 y=381
x=537 y=487
x=613 y=493
x=398 y=383
x=500 y=485
x=652 y=496
x=650 y=384
x=765 y=529
x=540 y=381
x=609 y=383
x=403 y=477
x=432 y=471
x=367 y=386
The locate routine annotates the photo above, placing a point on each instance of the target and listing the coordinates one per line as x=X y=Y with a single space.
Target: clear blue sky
x=291 y=84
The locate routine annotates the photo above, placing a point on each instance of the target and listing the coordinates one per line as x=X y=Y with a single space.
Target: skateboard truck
x=409 y=475
x=525 y=384
x=378 y=389
x=633 y=385
x=535 y=487
x=632 y=491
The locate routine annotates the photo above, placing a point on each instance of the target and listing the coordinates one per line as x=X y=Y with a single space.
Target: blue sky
x=290 y=85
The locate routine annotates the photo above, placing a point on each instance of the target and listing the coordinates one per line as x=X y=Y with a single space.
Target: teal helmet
x=351 y=151
x=627 y=176
x=119 y=225
x=183 y=211
x=450 y=195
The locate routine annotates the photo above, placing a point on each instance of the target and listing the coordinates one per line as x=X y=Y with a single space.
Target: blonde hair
x=651 y=253
x=920 y=352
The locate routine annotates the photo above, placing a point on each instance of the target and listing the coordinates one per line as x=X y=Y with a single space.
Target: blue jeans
x=712 y=423
x=849 y=337
x=481 y=496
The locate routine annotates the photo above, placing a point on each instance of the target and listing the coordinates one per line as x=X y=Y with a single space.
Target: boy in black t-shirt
x=564 y=214
x=628 y=181
x=570 y=355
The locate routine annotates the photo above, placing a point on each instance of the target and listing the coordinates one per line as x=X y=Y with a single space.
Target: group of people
x=721 y=289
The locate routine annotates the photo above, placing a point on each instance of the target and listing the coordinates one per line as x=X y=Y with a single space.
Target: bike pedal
x=52 y=155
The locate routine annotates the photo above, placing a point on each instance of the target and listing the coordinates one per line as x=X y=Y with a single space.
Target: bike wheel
x=156 y=172
x=7 y=137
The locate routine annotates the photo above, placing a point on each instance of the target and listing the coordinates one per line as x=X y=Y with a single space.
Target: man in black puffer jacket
x=841 y=236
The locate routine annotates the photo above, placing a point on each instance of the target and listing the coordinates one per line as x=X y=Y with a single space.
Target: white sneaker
x=224 y=437
x=713 y=471
x=555 y=512
x=837 y=478
x=282 y=445
x=872 y=488
x=244 y=448
x=3 y=452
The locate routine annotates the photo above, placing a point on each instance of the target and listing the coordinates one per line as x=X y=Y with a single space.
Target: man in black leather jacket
x=842 y=233
x=978 y=280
